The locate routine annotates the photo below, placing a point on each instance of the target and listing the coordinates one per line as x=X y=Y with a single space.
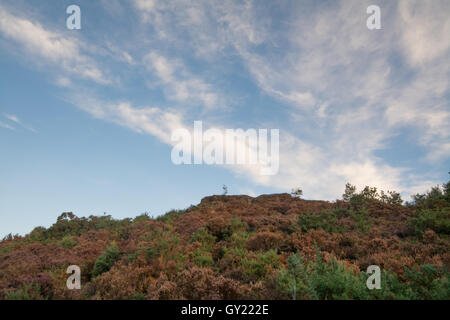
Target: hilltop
x=274 y=246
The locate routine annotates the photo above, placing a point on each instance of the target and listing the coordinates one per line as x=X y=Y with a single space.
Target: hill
x=238 y=247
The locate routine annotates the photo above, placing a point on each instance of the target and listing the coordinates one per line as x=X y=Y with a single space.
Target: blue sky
x=86 y=115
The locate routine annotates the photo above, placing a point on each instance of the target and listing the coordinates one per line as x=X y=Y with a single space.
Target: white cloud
x=12 y=118
x=349 y=89
x=15 y=119
x=6 y=126
x=179 y=84
x=425 y=30
x=63 y=82
x=334 y=71
x=150 y=120
x=52 y=47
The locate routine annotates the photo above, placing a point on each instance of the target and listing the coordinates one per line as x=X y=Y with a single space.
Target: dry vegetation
x=238 y=247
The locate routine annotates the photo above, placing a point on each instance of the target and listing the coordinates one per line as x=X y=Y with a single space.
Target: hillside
x=238 y=247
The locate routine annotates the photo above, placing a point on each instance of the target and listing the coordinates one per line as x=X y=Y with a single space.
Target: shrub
x=264 y=262
x=326 y=220
x=206 y=239
x=139 y=296
x=38 y=234
x=30 y=291
x=143 y=217
x=170 y=216
x=332 y=280
x=264 y=241
x=106 y=260
x=428 y=282
x=219 y=227
x=67 y=242
x=362 y=219
x=203 y=259
x=437 y=220
x=238 y=225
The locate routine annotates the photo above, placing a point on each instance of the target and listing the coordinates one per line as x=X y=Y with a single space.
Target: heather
x=276 y=246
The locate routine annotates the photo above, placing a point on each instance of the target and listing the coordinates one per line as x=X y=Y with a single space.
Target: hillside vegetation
x=275 y=246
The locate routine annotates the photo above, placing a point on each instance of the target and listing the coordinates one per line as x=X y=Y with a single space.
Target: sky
x=86 y=115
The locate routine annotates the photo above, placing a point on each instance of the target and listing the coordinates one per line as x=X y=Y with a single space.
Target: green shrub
x=132 y=257
x=362 y=219
x=142 y=218
x=170 y=216
x=106 y=260
x=203 y=259
x=31 y=291
x=37 y=235
x=428 y=282
x=151 y=253
x=139 y=296
x=437 y=220
x=331 y=280
x=326 y=220
x=238 y=225
x=206 y=239
x=67 y=242
x=264 y=262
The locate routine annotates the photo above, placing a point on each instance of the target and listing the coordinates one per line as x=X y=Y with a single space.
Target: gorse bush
x=321 y=280
x=67 y=242
x=170 y=216
x=437 y=220
x=362 y=219
x=106 y=260
x=261 y=264
x=30 y=291
x=332 y=280
x=327 y=220
x=428 y=282
x=206 y=239
x=203 y=259
x=142 y=218
x=324 y=280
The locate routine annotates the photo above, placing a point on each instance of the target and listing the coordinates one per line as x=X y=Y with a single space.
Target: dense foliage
x=238 y=247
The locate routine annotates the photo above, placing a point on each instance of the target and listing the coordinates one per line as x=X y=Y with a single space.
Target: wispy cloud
x=341 y=91
x=16 y=120
x=150 y=120
x=53 y=47
x=179 y=84
x=6 y=126
x=343 y=80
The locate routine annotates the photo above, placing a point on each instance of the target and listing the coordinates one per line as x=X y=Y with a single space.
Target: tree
x=349 y=192
x=297 y=193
